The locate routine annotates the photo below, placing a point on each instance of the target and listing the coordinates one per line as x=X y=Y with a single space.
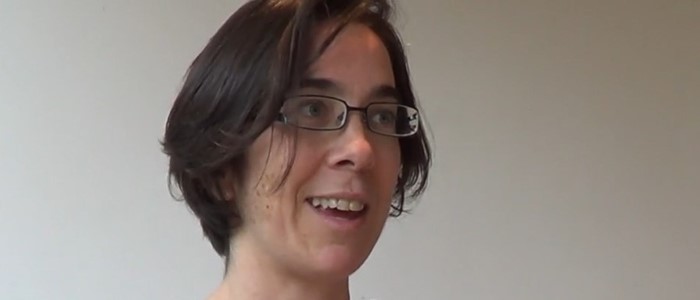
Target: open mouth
x=338 y=208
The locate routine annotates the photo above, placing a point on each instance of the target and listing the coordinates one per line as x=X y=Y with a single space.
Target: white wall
x=567 y=136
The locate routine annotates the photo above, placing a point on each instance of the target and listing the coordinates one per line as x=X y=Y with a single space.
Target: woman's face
x=355 y=167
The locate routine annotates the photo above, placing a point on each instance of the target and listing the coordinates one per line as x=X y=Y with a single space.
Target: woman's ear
x=227 y=186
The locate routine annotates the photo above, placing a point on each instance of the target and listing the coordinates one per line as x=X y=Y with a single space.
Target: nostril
x=346 y=162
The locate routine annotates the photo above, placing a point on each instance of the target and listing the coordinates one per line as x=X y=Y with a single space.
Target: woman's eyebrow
x=385 y=91
x=322 y=84
x=380 y=92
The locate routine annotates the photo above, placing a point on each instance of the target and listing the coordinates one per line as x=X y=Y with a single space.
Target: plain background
x=566 y=134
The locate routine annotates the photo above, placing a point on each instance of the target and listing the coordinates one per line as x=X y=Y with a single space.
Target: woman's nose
x=353 y=149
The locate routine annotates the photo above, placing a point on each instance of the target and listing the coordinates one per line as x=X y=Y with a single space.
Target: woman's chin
x=339 y=261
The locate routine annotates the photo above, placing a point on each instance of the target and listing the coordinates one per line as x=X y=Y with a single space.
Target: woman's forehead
x=330 y=42
x=355 y=62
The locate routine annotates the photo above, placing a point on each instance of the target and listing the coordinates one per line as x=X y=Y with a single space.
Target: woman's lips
x=339 y=219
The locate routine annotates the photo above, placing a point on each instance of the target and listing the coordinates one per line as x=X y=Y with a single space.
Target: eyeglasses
x=317 y=112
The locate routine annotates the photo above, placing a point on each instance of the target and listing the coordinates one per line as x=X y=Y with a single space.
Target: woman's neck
x=252 y=274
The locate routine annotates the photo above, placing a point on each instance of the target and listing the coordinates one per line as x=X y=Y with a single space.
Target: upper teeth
x=339 y=204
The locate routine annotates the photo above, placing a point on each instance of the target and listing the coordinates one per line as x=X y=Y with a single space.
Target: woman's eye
x=384 y=117
x=313 y=109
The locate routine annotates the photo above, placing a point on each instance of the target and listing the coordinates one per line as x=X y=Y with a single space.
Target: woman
x=294 y=137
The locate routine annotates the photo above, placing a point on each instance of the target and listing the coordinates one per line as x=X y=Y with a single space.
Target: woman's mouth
x=338 y=208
